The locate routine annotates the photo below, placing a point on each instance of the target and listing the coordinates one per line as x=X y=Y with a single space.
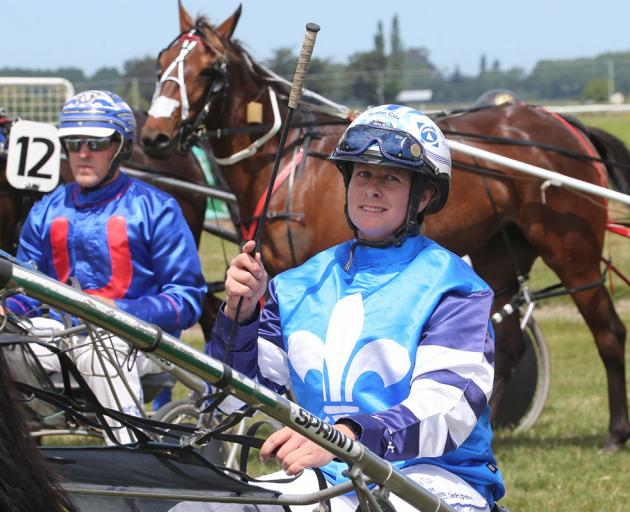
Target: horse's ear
x=185 y=21
x=227 y=27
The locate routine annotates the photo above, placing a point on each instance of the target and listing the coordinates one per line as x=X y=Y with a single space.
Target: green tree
x=322 y=77
x=365 y=73
x=482 y=65
x=395 y=63
x=138 y=82
x=596 y=90
x=282 y=61
x=419 y=72
x=110 y=73
x=365 y=77
x=105 y=78
x=380 y=61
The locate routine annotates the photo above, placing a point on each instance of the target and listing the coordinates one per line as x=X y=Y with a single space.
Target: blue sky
x=91 y=34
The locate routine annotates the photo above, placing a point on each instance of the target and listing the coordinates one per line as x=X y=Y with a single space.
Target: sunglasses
x=73 y=144
x=394 y=145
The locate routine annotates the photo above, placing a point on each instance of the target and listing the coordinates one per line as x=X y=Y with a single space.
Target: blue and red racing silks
x=126 y=241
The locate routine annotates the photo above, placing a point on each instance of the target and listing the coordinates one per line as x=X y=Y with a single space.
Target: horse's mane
x=313 y=101
x=27 y=481
x=238 y=54
x=215 y=41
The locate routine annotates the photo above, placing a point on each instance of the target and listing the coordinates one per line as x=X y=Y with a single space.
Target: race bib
x=34 y=156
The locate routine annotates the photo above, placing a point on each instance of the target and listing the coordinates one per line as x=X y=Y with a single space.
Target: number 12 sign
x=34 y=156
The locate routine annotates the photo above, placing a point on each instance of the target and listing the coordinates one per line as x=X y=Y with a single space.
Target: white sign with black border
x=34 y=156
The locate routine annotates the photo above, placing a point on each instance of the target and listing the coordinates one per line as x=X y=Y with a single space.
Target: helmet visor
x=395 y=145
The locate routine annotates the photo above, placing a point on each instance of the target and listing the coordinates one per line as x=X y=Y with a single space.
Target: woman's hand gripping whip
x=294 y=98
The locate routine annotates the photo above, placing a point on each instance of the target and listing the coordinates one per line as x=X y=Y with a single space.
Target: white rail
x=598 y=108
x=550 y=177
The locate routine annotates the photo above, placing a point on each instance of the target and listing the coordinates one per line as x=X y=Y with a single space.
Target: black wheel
x=526 y=391
x=184 y=412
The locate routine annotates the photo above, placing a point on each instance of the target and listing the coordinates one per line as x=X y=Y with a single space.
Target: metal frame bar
x=149 y=337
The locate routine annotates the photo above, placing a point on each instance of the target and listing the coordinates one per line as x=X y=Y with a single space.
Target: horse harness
x=217 y=75
x=300 y=150
x=193 y=130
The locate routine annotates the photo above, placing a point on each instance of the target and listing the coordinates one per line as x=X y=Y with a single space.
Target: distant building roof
x=412 y=95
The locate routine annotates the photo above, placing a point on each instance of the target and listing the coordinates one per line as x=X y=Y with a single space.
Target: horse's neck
x=245 y=177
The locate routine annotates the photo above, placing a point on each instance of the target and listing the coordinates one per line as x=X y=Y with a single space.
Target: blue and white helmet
x=398 y=136
x=97 y=114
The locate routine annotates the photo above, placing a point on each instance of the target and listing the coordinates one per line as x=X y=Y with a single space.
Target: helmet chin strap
x=411 y=226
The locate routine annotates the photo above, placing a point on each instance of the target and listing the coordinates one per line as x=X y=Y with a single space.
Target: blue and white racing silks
x=399 y=343
x=126 y=241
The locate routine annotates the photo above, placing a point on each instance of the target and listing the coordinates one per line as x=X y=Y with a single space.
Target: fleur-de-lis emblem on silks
x=332 y=357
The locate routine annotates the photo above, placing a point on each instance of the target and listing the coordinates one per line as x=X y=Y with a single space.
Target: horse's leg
x=498 y=265
x=609 y=332
x=573 y=252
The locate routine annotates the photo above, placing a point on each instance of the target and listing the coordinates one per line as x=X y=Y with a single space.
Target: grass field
x=557 y=465
x=617 y=124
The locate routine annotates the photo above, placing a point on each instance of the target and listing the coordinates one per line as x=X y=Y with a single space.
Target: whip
x=294 y=98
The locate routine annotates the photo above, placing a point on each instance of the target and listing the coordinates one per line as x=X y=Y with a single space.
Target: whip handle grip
x=302 y=64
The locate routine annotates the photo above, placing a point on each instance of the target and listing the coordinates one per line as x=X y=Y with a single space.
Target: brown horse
x=487 y=205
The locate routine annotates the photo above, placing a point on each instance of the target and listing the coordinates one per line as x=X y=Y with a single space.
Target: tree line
x=377 y=75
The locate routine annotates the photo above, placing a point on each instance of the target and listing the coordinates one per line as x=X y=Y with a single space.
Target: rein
x=258 y=143
x=287 y=171
x=261 y=128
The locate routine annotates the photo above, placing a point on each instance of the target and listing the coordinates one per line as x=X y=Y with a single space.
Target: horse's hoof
x=615 y=443
x=611 y=447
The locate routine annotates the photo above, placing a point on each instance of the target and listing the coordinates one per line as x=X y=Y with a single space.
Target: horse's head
x=192 y=74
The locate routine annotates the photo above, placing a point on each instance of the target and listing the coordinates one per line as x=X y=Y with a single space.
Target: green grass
x=615 y=123
x=215 y=255
x=557 y=465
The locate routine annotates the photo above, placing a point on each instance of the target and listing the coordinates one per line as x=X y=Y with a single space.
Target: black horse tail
x=613 y=150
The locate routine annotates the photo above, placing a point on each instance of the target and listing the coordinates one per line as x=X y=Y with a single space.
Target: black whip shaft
x=294 y=98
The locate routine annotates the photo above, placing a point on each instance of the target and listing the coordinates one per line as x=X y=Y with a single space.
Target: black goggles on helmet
x=395 y=145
